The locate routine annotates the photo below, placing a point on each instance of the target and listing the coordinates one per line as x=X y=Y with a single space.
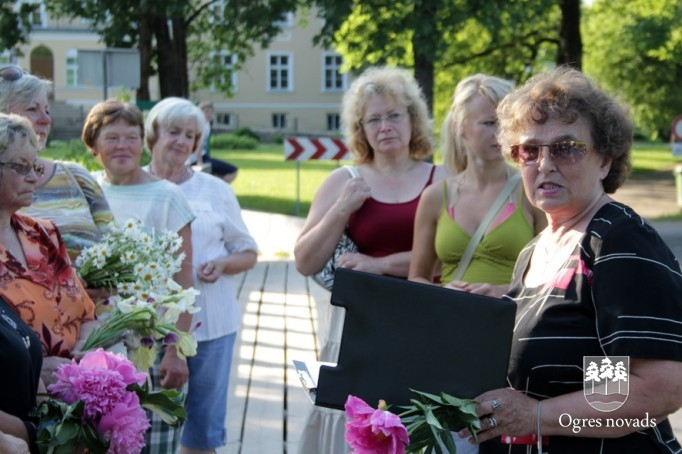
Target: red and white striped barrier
x=307 y=148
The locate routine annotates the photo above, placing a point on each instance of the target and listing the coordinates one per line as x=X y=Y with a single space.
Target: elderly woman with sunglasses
x=598 y=282
x=36 y=277
x=65 y=193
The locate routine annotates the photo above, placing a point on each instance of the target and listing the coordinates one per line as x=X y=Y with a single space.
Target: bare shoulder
x=439 y=173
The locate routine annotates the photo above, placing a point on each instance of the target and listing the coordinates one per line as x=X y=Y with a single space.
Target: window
x=5 y=57
x=227 y=61
x=280 y=72
x=224 y=119
x=279 y=120
x=72 y=68
x=286 y=20
x=333 y=79
x=37 y=17
x=333 y=122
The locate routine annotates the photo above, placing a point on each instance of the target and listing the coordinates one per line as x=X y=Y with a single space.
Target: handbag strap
x=352 y=170
x=478 y=234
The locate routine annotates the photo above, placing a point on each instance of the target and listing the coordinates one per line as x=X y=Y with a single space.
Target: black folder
x=399 y=335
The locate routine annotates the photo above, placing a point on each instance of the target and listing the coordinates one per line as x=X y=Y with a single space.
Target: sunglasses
x=12 y=72
x=25 y=167
x=567 y=152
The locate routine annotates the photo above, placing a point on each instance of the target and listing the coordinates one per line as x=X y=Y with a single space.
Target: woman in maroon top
x=388 y=131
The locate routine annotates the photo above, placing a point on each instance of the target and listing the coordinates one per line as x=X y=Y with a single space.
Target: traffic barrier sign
x=310 y=148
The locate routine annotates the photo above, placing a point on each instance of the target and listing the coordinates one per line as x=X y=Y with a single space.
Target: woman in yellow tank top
x=449 y=214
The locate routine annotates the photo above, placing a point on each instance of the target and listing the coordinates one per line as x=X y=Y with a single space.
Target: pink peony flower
x=125 y=426
x=370 y=431
x=119 y=363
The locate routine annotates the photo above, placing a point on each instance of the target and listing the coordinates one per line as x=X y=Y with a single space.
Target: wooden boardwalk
x=267 y=406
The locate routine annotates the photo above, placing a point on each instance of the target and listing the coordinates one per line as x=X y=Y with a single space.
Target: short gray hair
x=16 y=129
x=171 y=111
x=22 y=90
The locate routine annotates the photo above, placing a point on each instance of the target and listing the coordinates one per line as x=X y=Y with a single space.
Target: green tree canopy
x=634 y=49
x=15 y=25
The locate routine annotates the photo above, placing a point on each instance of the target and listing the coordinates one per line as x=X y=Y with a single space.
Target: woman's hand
x=504 y=412
x=12 y=445
x=209 y=271
x=174 y=371
x=480 y=288
x=360 y=262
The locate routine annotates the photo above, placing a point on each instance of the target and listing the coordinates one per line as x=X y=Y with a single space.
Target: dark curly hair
x=567 y=94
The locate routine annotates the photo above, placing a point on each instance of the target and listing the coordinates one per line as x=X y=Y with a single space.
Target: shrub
x=233 y=142
x=246 y=132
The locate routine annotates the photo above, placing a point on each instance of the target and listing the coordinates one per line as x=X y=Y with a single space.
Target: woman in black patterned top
x=597 y=282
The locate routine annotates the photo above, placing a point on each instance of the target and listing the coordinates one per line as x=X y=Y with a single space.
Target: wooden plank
x=249 y=292
x=301 y=345
x=263 y=431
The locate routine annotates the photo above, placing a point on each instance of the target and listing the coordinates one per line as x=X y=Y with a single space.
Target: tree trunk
x=172 y=56
x=145 y=47
x=570 y=43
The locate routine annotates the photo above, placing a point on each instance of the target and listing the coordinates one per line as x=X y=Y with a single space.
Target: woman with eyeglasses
x=65 y=193
x=596 y=357
x=389 y=134
x=483 y=184
x=37 y=283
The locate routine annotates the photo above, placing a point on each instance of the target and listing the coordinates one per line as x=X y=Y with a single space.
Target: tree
x=634 y=49
x=164 y=30
x=15 y=25
x=444 y=41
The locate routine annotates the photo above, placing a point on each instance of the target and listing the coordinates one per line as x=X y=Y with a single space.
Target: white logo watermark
x=606 y=381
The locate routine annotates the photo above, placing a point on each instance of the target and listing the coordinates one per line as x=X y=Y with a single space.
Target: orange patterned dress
x=46 y=293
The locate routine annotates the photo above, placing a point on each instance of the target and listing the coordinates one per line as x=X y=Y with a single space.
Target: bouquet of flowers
x=97 y=405
x=139 y=267
x=423 y=426
x=132 y=261
x=143 y=322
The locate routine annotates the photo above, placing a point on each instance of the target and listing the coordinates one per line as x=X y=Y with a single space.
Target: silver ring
x=496 y=405
x=492 y=421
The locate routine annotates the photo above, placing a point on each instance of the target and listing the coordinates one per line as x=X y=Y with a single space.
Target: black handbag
x=325 y=277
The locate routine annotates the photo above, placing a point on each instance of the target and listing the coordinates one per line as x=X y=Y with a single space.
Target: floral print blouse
x=46 y=293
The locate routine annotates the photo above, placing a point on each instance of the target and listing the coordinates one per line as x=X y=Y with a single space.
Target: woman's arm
x=655 y=392
x=10 y=444
x=228 y=264
x=424 y=258
x=336 y=199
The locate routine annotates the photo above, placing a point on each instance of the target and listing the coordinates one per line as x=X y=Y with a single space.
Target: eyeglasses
x=12 y=72
x=375 y=122
x=25 y=167
x=567 y=152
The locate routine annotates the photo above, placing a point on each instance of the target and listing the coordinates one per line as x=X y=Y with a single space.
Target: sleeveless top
x=495 y=256
x=380 y=229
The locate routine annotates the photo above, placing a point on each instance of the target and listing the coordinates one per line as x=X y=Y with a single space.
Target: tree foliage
x=164 y=30
x=15 y=25
x=634 y=49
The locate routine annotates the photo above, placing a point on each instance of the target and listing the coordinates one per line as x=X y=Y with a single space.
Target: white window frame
x=71 y=67
x=227 y=117
x=333 y=121
x=279 y=67
x=287 y=20
x=42 y=13
x=336 y=69
x=234 y=58
x=279 y=120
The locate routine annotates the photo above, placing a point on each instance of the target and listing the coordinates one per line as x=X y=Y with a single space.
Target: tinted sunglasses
x=25 y=167
x=12 y=72
x=567 y=152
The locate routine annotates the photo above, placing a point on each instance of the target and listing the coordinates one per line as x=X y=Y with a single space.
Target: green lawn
x=267 y=182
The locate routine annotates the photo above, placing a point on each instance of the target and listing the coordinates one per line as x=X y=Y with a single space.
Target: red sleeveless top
x=380 y=229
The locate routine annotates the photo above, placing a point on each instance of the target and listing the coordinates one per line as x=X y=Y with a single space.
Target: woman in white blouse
x=222 y=247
